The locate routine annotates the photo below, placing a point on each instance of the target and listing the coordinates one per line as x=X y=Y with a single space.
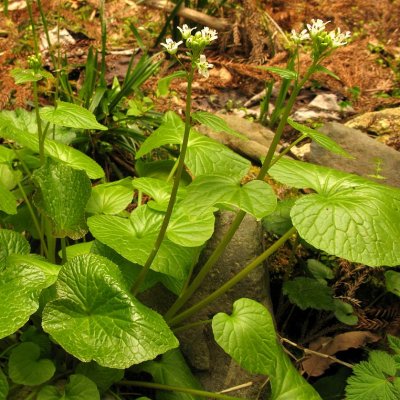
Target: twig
x=316 y=353
x=238 y=387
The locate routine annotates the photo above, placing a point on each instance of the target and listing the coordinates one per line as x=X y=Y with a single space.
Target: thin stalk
x=46 y=31
x=34 y=219
x=284 y=152
x=194 y=392
x=63 y=250
x=35 y=40
x=38 y=122
x=183 y=328
x=174 y=191
x=233 y=281
x=173 y=169
x=51 y=242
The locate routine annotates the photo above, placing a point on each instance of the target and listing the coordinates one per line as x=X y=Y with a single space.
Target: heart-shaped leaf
x=78 y=388
x=29 y=75
x=109 y=199
x=103 y=377
x=9 y=177
x=248 y=336
x=53 y=149
x=94 y=316
x=70 y=115
x=62 y=197
x=134 y=239
x=349 y=216
x=204 y=155
x=21 y=281
x=12 y=242
x=25 y=366
x=256 y=197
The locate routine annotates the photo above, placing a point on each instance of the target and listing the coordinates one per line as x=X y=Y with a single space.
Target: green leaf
x=3 y=386
x=53 y=149
x=20 y=288
x=171 y=369
x=94 y=316
x=215 y=123
x=348 y=216
x=320 y=138
x=392 y=279
x=394 y=343
x=134 y=239
x=70 y=115
x=78 y=388
x=103 y=377
x=309 y=293
x=256 y=197
x=374 y=379
x=344 y=312
x=28 y=75
x=282 y=72
x=6 y=155
x=77 y=249
x=25 y=366
x=321 y=68
x=163 y=83
x=204 y=155
x=109 y=199
x=12 y=242
x=279 y=221
x=62 y=196
x=8 y=203
x=319 y=270
x=248 y=336
x=9 y=177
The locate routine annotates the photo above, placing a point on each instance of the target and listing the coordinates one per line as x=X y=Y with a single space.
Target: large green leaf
x=134 y=239
x=9 y=177
x=20 y=288
x=204 y=155
x=25 y=366
x=8 y=203
x=109 y=199
x=62 y=196
x=78 y=388
x=256 y=197
x=70 y=115
x=53 y=149
x=29 y=75
x=94 y=317
x=6 y=155
x=12 y=242
x=171 y=369
x=248 y=336
x=3 y=386
x=348 y=216
x=392 y=279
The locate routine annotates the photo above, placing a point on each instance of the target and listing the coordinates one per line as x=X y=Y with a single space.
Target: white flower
x=209 y=34
x=316 y=27
x=203 y=66
x=170 y=46
x=339 y=38
x=186 y=32
x=300 y=37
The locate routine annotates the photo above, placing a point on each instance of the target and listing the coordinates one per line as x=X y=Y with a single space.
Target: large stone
x=379 y=122
x=259 y=137
x=371 y=158
x=215 y=369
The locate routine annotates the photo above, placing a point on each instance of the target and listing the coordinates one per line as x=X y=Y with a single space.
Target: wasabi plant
x=71 y=322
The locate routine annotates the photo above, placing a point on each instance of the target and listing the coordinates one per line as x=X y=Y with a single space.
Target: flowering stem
x=174 y=191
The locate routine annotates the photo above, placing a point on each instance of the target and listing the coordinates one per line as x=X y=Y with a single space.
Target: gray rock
x=326 y=101
x=371 y=157
x=259 y=137
x=305 y=114
x=215 y=369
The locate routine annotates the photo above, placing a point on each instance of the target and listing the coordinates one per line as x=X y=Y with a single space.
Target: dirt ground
x=369 y=66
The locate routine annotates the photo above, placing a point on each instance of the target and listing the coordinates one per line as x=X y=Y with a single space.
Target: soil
x=368 y=66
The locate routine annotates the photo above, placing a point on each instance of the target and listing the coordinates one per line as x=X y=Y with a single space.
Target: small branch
x=316 y=353
x=220 y=24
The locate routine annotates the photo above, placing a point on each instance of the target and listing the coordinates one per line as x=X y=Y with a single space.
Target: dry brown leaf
x=315 y=365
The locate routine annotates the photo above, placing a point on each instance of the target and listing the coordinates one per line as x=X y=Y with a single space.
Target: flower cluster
x=323 y=42
x=196 y=44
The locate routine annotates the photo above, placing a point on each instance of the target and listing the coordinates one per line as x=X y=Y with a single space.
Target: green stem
x=233 y=281
x=46 y=32
x=172 y=173
x=183 y=328
x=35 y=40
x=284 y=152
x=174 y=191
x=34 y=219
x=51 y=242
x=194 y=392
x=38 y=122
x=64 y=250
